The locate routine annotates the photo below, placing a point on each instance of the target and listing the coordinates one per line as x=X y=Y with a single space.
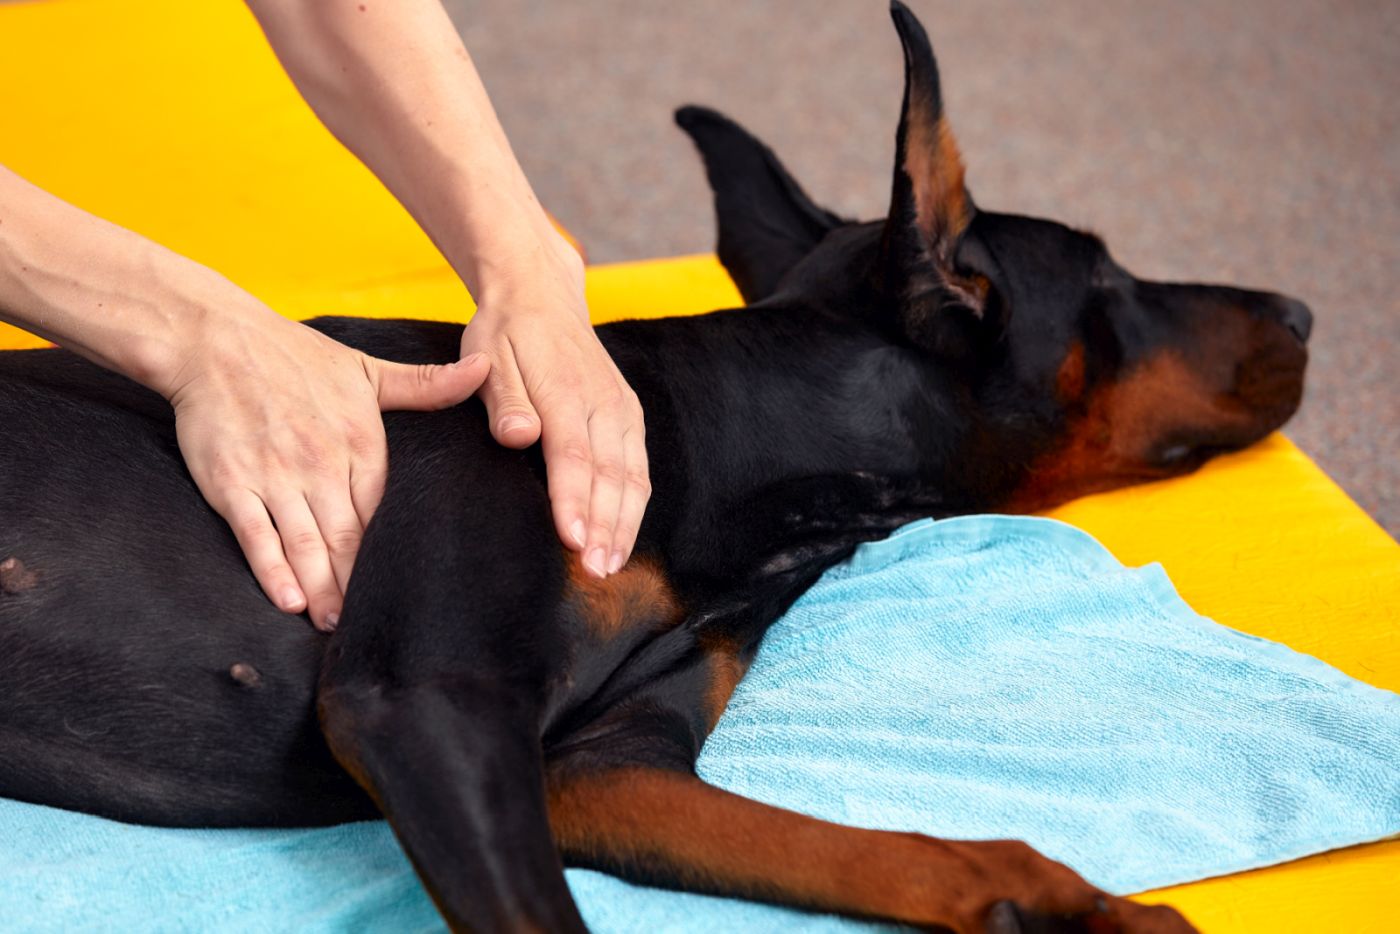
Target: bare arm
x=276 y=421
x=392 y=81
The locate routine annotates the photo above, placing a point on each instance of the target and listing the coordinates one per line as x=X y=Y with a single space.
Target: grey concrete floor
x=1252 y=142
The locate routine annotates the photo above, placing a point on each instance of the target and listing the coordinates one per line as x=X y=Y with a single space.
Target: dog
x=509 y=713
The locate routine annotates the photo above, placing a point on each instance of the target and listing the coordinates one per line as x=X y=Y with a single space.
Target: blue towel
x=976 y=677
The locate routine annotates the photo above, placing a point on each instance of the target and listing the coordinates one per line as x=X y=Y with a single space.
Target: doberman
x=510 y=714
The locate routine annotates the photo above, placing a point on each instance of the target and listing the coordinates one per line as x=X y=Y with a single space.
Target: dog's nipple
x=244 y=675
x=15 y=577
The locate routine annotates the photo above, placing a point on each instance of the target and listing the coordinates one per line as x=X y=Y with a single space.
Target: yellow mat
x=171 y=117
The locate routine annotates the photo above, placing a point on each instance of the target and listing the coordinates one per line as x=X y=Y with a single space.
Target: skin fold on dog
x=510 y=714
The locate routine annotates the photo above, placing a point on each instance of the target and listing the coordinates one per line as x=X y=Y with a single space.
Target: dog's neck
x=760 y=397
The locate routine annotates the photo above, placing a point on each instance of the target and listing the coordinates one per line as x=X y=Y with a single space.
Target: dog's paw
x=1109 y=916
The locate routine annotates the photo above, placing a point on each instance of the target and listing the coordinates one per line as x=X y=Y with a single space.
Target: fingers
x=568 y=455
x=552 y=380
x=598 y=483
x=282 y=431
x=514 y=421
x=309 y=557
x=252 y=526
x=425 y=387
x=302 y=549
x=636 y=490
x=340 y=527
x=367 y=485
x=605 y=432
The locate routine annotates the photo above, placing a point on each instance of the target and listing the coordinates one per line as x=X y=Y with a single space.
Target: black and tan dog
x=510 y=714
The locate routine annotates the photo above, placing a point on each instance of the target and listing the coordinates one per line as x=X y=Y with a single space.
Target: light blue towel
x=976 y=677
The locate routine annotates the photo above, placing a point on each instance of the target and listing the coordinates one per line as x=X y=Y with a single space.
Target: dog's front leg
x=431 y=688
x=458 y=775
x=666 y=827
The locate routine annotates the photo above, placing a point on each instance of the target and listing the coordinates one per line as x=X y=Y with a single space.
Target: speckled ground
x=1254 y=142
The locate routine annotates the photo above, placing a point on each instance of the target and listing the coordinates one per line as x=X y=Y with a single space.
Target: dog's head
x=1078 y=376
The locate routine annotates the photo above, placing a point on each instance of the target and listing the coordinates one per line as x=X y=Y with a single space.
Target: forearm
x=393 y=82
x=101 y=290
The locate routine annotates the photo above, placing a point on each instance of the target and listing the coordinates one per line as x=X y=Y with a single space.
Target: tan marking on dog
x=1109 y=444
x=935 y=167
x=637 y=595
x=1069 y=381
x=725 y=672
x=668 y=826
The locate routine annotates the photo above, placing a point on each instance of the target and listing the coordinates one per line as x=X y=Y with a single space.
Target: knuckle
x=369 y=487
x=613 y=398
x=344 y=542
x=577 y=451
x=279 y=572
x=626 y=529
x=561 y=387
x=311 y=454
x=610 y=470
x=639 y=480
x=362 y=443
x=224 y=472
x=509 y=404
x=256 y=532
x=302 y=542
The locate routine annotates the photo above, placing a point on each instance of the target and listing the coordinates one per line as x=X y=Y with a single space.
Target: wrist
x=541 y=269
x=497 y=237
x=207 y=316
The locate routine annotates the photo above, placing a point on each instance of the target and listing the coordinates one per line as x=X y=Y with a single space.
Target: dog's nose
x=1297 y=317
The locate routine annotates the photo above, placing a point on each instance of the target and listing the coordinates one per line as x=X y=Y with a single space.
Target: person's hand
x=551 y=380
x=280 y=427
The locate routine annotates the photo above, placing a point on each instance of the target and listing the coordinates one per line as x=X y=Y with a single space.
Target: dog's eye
x=1175 y=455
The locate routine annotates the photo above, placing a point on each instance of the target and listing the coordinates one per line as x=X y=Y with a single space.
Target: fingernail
x=332 y=620
x=615 y=564
x=578 y=532
x=514 y=423
x=596 y=561
x=290 y=599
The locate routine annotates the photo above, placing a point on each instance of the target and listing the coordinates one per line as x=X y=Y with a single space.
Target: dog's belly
x=143 y=674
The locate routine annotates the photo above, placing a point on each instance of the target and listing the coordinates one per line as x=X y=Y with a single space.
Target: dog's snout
x=1297 y=317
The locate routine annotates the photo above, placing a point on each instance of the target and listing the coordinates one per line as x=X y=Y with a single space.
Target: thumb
x=426 y=386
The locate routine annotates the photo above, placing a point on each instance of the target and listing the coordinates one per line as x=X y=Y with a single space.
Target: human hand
x=280 y=427
x=551 y=380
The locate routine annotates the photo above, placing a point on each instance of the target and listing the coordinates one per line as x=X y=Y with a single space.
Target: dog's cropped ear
x=930 y=208
x=766 y=222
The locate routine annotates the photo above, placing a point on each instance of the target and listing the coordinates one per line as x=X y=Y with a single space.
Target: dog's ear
x=766 y=222
x=930 y=208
